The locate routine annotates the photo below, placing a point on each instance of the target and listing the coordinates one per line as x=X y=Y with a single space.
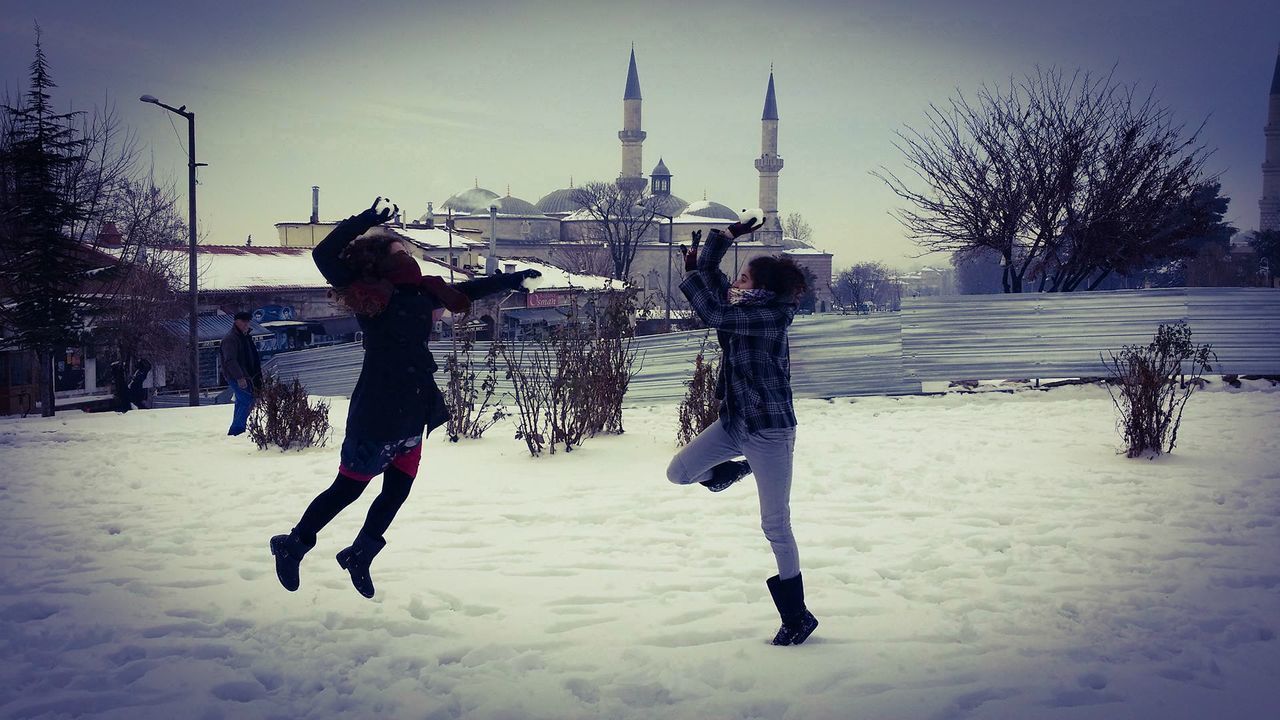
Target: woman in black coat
x=396 y=402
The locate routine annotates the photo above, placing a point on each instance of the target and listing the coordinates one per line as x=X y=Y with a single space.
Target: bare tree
x=142 y=297
x=1067 y=179
x=586 y=255
x=796 y=227
x=621 y=217
x=862 y=285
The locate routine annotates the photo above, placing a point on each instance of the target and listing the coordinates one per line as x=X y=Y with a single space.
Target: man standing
x=242 y=368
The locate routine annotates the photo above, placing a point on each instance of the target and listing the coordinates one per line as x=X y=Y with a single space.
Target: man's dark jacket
x=396 y=395
x=240 y=360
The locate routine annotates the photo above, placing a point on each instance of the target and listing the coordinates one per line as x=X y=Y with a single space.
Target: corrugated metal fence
x=932 y=339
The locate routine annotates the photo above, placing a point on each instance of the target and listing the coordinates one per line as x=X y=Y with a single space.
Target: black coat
x=396 y=396
x=240 y=359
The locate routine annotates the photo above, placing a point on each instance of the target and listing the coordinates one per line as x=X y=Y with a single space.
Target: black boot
x=726 y=474
x=289 y=551
x=797 y=622
x=357 y=559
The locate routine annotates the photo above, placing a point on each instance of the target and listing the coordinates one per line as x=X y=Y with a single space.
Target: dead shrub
x=1152 y=385
x=284 y=416
x=472 y=408
x=700 y=408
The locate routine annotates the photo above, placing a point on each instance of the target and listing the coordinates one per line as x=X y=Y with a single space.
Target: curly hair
x=780 y=275
x=368 y=294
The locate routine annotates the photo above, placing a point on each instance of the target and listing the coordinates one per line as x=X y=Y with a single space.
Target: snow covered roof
x=224 y=268
x=557 y=278
x=436 y=237
x=805 y=251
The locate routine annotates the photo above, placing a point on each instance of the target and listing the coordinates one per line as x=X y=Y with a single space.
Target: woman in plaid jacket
x=751 y=317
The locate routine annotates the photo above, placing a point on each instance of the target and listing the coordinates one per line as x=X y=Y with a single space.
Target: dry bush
x=1154 y=383
x=700 y=408
x=284 y=416
x=472 y=407
x=570 y=384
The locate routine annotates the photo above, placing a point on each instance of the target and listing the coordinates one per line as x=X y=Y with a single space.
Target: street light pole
x=193 y=375
x=671 y=239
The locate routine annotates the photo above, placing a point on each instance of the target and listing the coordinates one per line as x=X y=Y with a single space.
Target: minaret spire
x=769 y=164
x=631 y=135
x=1269 y=204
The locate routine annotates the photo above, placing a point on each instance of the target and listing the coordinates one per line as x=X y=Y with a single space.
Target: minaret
x=769 y=165
x=631 y=135
x=1270 y=202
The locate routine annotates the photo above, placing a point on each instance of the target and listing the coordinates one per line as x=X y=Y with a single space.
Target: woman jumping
x=757 y=420
x=396 y=396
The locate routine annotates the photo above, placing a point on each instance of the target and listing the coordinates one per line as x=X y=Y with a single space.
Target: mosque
x=555 y=227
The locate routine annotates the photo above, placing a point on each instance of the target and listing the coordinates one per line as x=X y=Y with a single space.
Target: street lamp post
x=193 y=376
x=671 y=240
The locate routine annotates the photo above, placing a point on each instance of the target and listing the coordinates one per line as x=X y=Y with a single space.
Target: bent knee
x=676 y=473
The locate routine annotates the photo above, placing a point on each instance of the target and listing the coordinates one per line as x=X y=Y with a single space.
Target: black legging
x=344 y=491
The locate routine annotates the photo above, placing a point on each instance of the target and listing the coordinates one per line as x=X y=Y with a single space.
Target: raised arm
x=500 y=282
x=709 y=301
x=326 y=253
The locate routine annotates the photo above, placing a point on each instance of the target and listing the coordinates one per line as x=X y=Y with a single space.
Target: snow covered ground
x=969 y=556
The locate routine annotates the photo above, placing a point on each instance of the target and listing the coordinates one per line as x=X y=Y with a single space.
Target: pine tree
x=42 y=266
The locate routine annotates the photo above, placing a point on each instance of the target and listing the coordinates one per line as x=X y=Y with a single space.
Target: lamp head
x=149 y=99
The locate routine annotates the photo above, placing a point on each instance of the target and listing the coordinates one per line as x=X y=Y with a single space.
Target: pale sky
x=417 y=100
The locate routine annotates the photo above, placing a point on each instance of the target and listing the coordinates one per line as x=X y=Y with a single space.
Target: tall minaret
x=769 y=165
x=631 y=135
x=1270 y=202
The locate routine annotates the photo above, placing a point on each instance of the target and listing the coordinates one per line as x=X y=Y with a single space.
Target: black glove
x=515 y=280
x=375 y=216
x=737 y=230
x=691 y=254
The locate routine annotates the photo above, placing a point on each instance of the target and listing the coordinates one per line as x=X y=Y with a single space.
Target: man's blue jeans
x=244 y=402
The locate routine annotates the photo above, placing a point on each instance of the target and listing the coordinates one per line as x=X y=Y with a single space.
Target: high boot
x=797 y=622
x=357 y=559
x=289 y=551
x=726 y=474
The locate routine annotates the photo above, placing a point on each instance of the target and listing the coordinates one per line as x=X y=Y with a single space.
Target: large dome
x=666 y=204
x=711 y=209
x=514 y=206
x=558 y=201
x=471 y=201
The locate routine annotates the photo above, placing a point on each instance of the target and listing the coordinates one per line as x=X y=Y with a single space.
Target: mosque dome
x=558 y=201
x=514 y=206
x=666 y=204
x=711 y=209
x=472 y=201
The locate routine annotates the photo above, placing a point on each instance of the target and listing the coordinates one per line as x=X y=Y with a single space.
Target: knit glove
x=739 y=229
x=375 y=215
x=691 y=254
x=515 y=281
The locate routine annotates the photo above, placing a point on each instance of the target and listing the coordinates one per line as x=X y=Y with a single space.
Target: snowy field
x=969 y=556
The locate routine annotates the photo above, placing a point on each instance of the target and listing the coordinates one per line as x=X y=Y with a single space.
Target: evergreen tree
x=42 y=266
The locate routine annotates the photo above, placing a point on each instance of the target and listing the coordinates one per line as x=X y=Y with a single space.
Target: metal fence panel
x=933 y=339
x=1062 y=334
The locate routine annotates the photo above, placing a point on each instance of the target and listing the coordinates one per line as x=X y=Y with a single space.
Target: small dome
x=710 y=209
x=558 y=201
x=666 y=204
x=514 y=206
x=474 y=200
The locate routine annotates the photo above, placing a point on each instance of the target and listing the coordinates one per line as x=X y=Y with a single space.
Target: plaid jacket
x=754 y=386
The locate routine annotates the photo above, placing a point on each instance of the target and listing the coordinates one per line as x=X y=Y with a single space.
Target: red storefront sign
x=547 y=299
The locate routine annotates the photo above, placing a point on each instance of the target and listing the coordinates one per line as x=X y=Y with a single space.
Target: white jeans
x=770 y=454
